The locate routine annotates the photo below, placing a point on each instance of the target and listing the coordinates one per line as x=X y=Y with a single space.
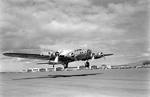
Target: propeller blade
x=93 y=56
x=56 y=59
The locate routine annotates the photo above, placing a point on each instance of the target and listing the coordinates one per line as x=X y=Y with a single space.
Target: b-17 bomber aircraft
x=62 y=57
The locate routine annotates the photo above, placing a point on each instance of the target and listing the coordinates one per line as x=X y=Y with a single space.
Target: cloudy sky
x=112 y=26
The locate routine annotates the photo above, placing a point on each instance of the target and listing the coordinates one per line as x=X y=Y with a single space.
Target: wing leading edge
x=102 y=55
x=30 y=56
x=38 y=56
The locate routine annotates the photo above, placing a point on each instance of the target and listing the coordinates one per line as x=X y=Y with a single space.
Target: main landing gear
x=87 y=64
x=65 y=65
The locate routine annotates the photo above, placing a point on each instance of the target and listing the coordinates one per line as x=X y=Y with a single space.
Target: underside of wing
x=102 y=55
x=29 y=56
x=108 y=54
x=38 y=56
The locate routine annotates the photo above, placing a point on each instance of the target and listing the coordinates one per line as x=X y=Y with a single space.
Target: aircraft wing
x=102 y=55
x=37 y=56
x=107 y=54
x=29 y=56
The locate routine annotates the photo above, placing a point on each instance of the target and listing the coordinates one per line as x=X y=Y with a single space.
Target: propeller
x=57 y=57
x=93 y=56
x=52 y=54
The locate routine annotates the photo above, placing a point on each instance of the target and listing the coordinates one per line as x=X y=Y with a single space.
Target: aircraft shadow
x=57 y=76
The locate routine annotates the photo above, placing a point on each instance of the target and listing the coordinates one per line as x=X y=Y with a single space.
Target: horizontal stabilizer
x=49 y=63
x=42 y=63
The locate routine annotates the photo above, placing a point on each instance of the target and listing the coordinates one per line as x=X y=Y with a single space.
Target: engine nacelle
x=57 y=53
x=100 y=53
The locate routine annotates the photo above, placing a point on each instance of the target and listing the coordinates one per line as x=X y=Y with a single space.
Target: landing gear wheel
x=87 y=64
x=65 y=66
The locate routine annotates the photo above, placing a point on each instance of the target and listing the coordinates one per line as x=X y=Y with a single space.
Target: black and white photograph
x=74 y=48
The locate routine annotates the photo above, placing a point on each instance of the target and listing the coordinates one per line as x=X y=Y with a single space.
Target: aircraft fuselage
x=61 y=57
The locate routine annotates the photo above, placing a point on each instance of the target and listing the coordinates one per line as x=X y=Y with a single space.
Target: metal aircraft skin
x=61 y=57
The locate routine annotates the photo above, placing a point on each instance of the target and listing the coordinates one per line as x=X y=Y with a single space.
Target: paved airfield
x=89 y=83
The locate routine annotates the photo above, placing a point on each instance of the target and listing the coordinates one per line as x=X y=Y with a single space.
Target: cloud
x=74 y=23
x=69 y=27
x=146 y=54
x=83 y=2
x=110 y=26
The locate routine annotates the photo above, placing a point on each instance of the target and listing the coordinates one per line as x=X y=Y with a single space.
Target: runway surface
x=89 y=83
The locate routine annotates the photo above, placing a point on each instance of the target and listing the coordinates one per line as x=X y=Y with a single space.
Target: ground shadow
x=57 y=76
